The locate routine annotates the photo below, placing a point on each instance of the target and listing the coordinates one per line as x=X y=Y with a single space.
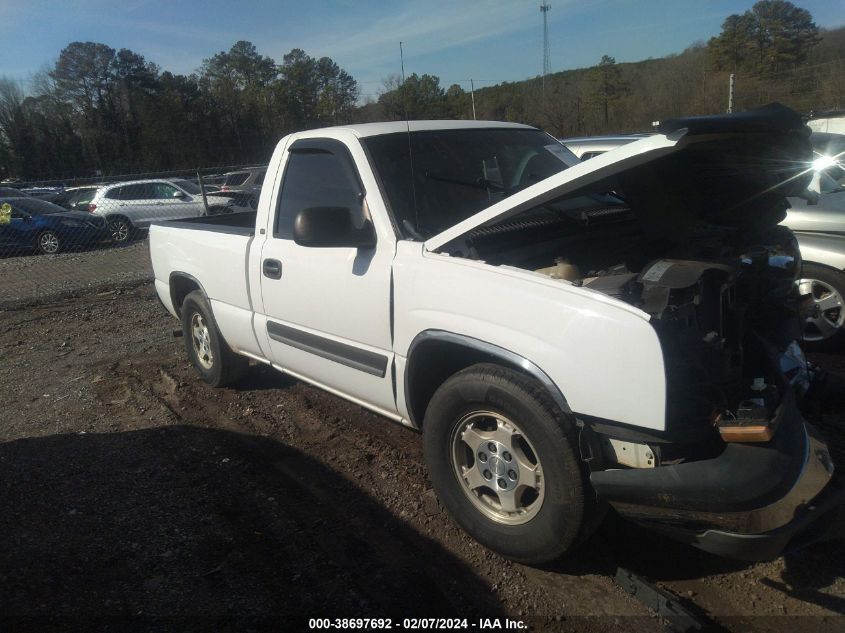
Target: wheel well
x=432 y=361
x=827 y=267
x=180 y=287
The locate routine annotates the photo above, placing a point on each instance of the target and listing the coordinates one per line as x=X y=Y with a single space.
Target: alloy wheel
x=119 y=230
x=827 y=315
x=201 y=339
x=49 y=243
x=497 y=467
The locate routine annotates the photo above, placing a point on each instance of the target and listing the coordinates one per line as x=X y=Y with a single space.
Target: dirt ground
x=130 y=489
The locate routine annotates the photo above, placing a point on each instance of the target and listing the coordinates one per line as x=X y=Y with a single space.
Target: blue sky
x=487 y=40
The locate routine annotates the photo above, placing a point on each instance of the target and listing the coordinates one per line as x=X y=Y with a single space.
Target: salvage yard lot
x=33 y=278
x=129 y=488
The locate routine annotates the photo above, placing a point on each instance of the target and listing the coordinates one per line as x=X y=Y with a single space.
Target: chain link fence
x=59 y=238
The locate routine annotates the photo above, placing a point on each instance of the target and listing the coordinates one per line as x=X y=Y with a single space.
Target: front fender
x=602 y=355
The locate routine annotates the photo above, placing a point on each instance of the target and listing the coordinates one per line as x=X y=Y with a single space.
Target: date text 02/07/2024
x=412 y=624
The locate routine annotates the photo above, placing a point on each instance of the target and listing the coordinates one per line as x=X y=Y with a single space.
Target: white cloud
x=429 y=27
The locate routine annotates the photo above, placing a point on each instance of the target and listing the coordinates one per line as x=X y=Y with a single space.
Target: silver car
x=247 y=180
x=818 y=227
x=129 y=206
x=586 y=147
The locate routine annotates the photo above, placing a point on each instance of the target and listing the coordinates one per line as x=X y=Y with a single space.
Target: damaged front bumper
x=752 y=502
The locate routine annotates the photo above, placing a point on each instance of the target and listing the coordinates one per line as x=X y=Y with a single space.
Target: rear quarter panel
x=218 y=263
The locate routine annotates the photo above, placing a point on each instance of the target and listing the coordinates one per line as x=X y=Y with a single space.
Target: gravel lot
x=130 y=488
x=36 y=278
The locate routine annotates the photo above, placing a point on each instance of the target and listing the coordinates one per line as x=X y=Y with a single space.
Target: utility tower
x=547 y=56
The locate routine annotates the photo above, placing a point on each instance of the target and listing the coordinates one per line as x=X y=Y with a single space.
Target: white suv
x=128 y=206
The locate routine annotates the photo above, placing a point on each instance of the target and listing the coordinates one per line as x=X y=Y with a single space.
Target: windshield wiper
x=481 y=183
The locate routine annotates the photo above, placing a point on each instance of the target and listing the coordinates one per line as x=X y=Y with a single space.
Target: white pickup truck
x=566 y=335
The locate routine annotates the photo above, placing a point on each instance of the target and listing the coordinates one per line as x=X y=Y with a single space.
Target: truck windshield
x=457 y=173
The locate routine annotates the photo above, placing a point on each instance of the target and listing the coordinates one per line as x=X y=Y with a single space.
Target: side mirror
x=325 y=227
x=178 y=194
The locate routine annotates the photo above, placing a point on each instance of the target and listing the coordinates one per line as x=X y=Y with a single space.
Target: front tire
x=210 y=355
x=48 y=243
x=502 y=462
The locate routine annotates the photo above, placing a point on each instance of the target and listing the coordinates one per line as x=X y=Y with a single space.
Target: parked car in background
x=77 y=198
x=586 y=147
x=830 y=121
x=213 y=182
x=819 y=228
x=50 y=194
x=32 y=224
x=134 y=205
x=829 y=154
x=249 y=180
x=11 y=192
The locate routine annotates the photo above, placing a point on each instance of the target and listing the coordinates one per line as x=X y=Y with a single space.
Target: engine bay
x=723 y=302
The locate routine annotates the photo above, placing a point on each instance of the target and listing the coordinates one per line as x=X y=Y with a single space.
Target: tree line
x=780 y=54
x=106 y=111
x=101 y=111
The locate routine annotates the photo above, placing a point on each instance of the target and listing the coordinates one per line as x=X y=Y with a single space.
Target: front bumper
x=820 y=521
x=751 y=502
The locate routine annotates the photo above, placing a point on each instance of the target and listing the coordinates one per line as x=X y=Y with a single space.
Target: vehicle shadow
x=621 y=544
x=261 y=377
x=192 y=528
x=809 y=571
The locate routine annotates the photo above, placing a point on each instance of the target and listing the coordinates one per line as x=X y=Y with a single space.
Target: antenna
x=412 y=230
x=547 y=55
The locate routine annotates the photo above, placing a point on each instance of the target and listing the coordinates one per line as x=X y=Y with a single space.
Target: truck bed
x=211 y=250
x=242 y=223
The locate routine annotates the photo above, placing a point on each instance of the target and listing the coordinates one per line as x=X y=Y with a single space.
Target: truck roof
x=364 y=130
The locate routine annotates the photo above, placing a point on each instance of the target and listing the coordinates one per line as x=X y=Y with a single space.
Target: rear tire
x=503 y=461
x=210 y=355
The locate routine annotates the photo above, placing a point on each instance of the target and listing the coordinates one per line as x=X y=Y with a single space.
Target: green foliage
x=606 y=86
x=415 y=98
x=99 y=110
x=772 y=35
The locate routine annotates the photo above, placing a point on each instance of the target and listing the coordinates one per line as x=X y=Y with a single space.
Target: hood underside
x=734 y=170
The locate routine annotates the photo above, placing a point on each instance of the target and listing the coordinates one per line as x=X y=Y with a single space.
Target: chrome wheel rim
x=497 y=467
x=119 y=230
x=201 y=339
x=49 y=243
x=827 y=314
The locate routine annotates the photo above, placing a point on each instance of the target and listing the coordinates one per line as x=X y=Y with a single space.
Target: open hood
x=733 y=169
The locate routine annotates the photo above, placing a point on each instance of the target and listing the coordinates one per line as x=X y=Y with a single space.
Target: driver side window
x=317 y=178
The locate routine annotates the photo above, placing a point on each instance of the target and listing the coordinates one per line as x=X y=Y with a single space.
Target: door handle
x=272 y=268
